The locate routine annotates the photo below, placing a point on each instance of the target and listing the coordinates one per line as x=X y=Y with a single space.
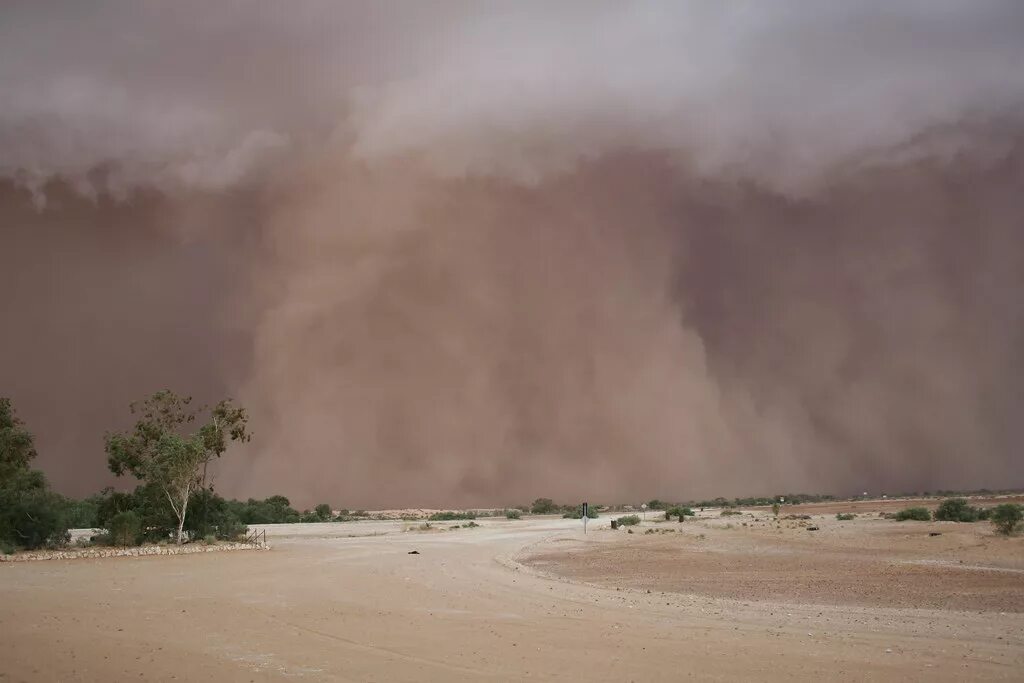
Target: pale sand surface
x=869 y=599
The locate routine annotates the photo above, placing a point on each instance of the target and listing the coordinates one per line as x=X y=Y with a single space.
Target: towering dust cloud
x=463 y=255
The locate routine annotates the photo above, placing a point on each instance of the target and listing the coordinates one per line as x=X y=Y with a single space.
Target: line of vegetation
x=1006 y=517
x=168 y=451
x=449 y=516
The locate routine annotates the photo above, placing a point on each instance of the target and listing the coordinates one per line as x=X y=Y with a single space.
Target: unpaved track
x=331 y=607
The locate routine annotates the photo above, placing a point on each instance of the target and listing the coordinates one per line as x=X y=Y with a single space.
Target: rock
x=414 y=552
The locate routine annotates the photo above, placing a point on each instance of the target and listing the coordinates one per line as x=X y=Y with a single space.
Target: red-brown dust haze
x=472 y=255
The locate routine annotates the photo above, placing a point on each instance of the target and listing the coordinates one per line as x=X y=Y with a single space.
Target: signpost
x=586 y=515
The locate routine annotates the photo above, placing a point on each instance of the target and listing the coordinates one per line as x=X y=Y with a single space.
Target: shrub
x=628 y=520
x=845 y=516
x=543 y=506
x=775 y=509
x=209 y=539
x=513 y=514
x=471 y=525
x=729 y=512
x=1007 y=517
x=230 y=528
x=32 y=518
x=449 y=516
x=916 y=514
x=124 y=529
x=956 y=510
x=679 y=512
x=577 y=513
x=323 y=512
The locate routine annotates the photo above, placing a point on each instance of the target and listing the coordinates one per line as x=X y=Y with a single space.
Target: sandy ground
x=534 y=599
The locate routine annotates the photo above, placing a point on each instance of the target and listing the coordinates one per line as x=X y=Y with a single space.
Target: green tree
x=1007 y=517
x=30 y=514
x=160 y=452
x=17 y=448
x=323 y=512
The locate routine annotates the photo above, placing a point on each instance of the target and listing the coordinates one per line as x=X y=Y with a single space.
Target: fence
x=256 y=537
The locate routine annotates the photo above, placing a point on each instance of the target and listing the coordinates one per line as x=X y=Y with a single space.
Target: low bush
x=728 y=512
x=915 y=514
x=513 y=514
x=1007 y=518
x=845 y=516
x=628 y=520
x=543 y=506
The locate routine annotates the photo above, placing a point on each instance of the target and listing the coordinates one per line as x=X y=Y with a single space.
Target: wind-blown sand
x=534 y=599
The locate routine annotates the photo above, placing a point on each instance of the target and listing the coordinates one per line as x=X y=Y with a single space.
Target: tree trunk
x=181 y=517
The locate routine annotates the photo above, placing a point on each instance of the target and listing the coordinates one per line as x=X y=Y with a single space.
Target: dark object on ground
x=934 y=533
x=615 y=525
x=414 y=552
x=812 y=528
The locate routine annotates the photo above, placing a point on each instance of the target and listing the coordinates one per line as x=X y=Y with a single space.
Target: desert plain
x=744 y=597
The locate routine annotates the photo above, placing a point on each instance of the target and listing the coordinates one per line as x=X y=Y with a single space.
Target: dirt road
x=322 y=605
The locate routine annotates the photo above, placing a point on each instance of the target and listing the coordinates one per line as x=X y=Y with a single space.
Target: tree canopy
x=161 y=452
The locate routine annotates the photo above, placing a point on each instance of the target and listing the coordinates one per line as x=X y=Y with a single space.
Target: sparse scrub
x=628 y=520
x=845 y=516
x=728 y=512
x=513 y=514
x=917 y=514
